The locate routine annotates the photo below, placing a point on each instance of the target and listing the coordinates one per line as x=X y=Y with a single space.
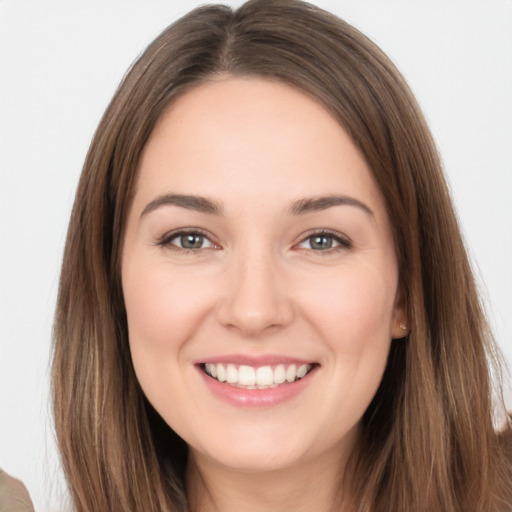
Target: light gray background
x=60 y=63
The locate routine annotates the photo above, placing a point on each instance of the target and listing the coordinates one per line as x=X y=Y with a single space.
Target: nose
x=256 y=299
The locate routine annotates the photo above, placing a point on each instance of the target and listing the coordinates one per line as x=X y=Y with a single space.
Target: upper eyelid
x=332 y=233
x=169 y=235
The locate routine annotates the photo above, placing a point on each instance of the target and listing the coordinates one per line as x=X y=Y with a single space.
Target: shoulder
x=14 y=496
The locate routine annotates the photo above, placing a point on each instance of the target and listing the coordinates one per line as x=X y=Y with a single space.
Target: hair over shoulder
x=428 y=439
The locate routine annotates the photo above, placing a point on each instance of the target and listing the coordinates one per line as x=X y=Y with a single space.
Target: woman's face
x=259 y=277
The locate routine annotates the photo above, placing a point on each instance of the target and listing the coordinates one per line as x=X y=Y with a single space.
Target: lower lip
x=242 y=397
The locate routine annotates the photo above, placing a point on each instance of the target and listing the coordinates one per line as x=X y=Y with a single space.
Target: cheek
x=163 y=307
x=355 y=322
x=355 y=311
x=163 y=310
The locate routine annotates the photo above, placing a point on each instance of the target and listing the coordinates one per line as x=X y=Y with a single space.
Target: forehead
x=251 y=138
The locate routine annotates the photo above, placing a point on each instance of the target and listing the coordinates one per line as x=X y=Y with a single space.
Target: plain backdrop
x=60 y=63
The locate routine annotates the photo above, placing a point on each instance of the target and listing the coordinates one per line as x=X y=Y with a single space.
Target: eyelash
x=343 y=242
x=166 y=240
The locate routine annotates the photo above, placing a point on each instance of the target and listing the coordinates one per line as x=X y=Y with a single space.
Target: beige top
x=14 y=496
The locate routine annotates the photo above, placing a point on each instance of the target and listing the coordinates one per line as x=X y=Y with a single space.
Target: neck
x=311 y=485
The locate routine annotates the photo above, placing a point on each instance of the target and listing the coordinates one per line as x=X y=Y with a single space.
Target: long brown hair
x=428 y=441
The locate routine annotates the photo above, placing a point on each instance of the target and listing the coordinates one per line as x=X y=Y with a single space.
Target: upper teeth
x=261 y=377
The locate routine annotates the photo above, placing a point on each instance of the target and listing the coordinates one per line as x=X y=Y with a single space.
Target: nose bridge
x=255 y=297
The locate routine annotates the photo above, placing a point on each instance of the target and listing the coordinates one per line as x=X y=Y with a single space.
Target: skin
x=257 y=286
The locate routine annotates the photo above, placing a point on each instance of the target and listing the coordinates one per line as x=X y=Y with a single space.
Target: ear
x=400 y=327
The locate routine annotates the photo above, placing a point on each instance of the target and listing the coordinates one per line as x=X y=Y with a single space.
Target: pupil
x=321 y=242
x=192 y=241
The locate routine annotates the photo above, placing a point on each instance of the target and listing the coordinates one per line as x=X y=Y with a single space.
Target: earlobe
x=400 y=328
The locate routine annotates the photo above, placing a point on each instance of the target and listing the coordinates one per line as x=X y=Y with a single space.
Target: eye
x=324 y=241
x=187 y=240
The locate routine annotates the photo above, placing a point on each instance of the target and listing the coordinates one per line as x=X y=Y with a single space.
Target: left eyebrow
x=316 y=204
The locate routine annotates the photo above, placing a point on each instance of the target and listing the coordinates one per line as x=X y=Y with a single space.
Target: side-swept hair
x=428 y=442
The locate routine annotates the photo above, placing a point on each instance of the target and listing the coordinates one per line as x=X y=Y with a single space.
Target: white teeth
x=221 y=373
x=301 y=372
x=231 y=374
x=263 y=377
x=279 y=374
x=211 y=369
x=291 y=373
x=246 y=376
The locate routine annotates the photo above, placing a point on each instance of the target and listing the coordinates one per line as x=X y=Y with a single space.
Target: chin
x=252 y=460
x=262 y=449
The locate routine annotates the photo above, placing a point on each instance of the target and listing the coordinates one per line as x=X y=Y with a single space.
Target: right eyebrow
x=190 y=202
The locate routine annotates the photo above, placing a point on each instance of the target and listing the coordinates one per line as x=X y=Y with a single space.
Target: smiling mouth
x=261 y=377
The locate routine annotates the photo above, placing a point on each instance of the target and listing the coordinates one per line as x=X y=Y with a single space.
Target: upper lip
x=254 y=361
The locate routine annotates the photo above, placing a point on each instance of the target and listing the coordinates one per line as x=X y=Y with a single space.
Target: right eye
x=187 y=240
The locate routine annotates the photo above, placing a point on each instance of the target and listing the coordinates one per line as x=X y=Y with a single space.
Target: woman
x=265 y=301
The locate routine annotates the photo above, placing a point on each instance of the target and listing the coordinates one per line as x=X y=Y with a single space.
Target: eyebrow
x=190 y=202
x=316 y=204
x=299 y=207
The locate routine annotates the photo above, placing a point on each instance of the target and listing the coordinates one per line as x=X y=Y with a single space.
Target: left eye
x=324 y=242
x=188 y=240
